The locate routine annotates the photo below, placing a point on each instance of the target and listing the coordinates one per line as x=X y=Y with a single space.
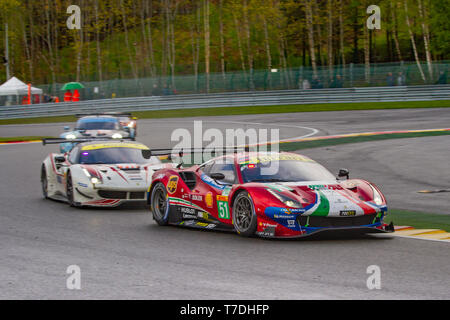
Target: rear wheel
x=44 y=182
x=159 y=204
x=244 y=216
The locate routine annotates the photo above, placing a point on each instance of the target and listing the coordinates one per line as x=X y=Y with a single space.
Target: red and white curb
x=19 y=142
x=424 y=234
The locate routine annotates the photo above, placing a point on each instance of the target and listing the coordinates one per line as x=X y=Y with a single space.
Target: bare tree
x=310 y=26
x=207 y=41
x=341 y=33
x=426 y=38
x=249 y=47
x=413 y=42
x=221 y=36
x=330 y=37
x=393 y=7
x=268 y=54
x=127 y=42
x=195 y=44
x=97 y=40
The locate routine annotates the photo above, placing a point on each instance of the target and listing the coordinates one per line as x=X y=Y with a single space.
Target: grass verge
x=228 y=111
x=22 y=139
x=292 y=146
x=418 y=220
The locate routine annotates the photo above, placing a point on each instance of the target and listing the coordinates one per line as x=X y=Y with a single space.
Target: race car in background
x=107 y=125
x=239 y=192
x=127 y=121
x=99 y=173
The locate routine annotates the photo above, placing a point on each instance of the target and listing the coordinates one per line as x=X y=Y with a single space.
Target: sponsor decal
x=202 y=215
x=196 y=197
x=202 y=224
x=189 y=216
x=265 y=225
x=291 y=223
x=347 y=213
x=209 y=199
x=324 y=187
x=226 y=191
x=222 y=207
x=172 y=184
x=282 y=216
x=268 y=229
x=222 y=198
x=82 y=185
x=187 y=210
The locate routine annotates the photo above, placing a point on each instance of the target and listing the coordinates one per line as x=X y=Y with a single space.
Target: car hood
x=330 y=198
x=124 y=174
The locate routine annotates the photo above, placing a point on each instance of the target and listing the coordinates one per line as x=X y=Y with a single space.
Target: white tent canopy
x=15 y=87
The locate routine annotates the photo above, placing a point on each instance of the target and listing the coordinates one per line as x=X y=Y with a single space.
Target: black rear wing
x=181 y=151
x=81 y=140
x=112 y=114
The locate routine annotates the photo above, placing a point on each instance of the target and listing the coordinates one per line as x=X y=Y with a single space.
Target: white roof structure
x=15 y=87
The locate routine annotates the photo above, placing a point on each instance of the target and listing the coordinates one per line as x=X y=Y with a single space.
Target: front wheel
x=44 y=182
x=159 y=204
x=70 y=191
x=244 y=216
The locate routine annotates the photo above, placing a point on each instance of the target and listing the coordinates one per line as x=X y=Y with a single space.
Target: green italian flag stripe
x=324 y=207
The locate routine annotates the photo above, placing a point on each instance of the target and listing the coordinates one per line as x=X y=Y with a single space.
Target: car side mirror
x=344 y=173
x=60 y=159
x=146 y=153
x=66 y=128
x=217 y=176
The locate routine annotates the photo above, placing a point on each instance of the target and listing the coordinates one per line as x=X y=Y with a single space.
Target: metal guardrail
x=231 y=99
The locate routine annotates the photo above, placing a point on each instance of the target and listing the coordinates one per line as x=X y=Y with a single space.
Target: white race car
x=99 y=173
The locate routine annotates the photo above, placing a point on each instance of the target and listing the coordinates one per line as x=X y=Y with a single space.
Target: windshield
x=98 y=124
x=115 y=156
x=288 y=170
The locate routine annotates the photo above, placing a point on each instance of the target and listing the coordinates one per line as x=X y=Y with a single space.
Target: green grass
x=228 y=111
x=418 y=220
x=25 y=138
x=292 y=146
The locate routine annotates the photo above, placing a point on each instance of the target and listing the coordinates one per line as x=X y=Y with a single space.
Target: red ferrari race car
x=266 y=194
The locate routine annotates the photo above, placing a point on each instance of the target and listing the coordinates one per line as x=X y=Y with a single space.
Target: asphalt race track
x=123 y=254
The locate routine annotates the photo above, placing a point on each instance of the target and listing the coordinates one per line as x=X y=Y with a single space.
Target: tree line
x=125 y=39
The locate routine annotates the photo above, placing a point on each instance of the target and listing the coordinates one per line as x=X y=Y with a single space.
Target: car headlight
x=377 y=199
x=94 y=180
x=117 y=136
x=285 y=199
x=71 y=136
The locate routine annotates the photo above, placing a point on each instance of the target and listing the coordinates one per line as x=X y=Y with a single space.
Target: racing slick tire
x=44 y=182
x=245 y=221
x=70 y=192
x=159 y=204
